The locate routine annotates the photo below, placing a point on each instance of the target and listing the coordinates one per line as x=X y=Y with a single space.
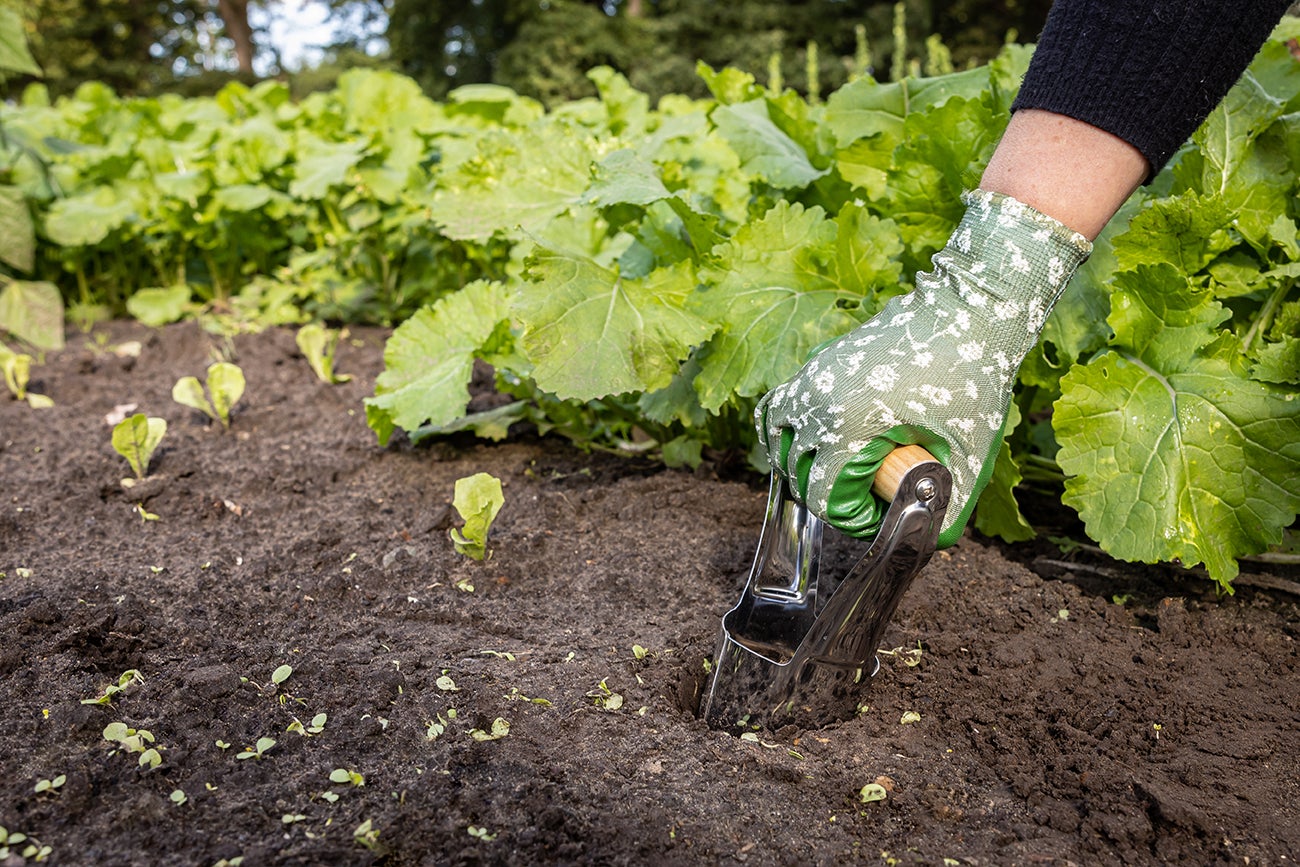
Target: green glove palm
x=934 y=367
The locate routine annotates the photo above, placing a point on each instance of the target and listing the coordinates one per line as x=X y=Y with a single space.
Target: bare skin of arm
x=1065 y=168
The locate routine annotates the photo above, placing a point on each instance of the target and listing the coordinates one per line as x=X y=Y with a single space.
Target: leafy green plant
x=318 y=345
x=225 y=386
x=126 y=679
x=478 y=499
x=136 y=438
x=134 y=741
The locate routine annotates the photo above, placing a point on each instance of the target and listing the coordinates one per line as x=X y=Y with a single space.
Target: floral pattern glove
x=934 y=367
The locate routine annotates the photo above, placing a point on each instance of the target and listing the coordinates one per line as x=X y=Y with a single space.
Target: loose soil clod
x=1160 y=731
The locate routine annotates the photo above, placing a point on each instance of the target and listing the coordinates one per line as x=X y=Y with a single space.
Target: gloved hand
x=935 y=367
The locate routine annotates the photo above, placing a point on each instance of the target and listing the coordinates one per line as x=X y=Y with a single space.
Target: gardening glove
x=935 y=367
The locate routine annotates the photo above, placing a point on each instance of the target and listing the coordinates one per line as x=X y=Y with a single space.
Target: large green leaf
x=517 y=181
x=1172 y=452
x=1186 y=231
x=33 y=311
x=17 y=235
x=765 y=150
x=429 y=359
x=772 y=301
x=86 y=219
x=14 y=55
x=1240 y=165
x=591 y=333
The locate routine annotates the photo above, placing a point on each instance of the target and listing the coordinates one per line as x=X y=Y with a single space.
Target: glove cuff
x=1007 y=262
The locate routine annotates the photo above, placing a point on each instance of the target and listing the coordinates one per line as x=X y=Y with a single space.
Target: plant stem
x=1266 y=314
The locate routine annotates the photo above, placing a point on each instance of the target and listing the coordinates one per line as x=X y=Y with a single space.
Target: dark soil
x=1056 y=725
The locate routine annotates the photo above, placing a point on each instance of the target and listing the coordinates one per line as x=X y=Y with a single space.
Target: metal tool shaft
x=787 y=656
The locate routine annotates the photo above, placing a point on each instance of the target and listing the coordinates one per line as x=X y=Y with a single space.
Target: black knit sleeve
x=1148 y=73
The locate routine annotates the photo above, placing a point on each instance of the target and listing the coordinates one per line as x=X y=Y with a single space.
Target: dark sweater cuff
x=1148 y=73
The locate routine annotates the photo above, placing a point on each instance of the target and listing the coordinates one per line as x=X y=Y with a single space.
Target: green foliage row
x=637 y=276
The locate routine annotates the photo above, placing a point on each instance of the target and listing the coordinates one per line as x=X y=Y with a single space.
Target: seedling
x=225 y=386
x=318 y=345
x=346 y=776
x=500 y=728
x=516 y=695
x=258 y=750
x=445 y=683
x=11 y=841
x=436 y=729
x=17 y=369
x=316 y=726
x=127 y=678
x=367 y=835
x=178 y=797
x=604 y=697
x=133 y=741
x=145 y=515
x=477 y=500
x=51 y=786
x=909 y=717
x=291 y=818
x=136 y=438
x=872 y=792
x=480 y=833
x=281 y=674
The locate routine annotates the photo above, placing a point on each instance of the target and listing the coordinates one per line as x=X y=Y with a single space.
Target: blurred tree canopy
x=541 y=48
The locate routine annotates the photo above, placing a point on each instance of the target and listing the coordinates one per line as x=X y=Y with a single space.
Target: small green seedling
x=316 y=726
x=500 y=728
x=124 y=680
x=136 y=438
x=445 y=683
x=639 y=652
x=604 y=697
x=17 y=369
x=225 y=383
x=318 y=345
x=291 y=818
x=367 y=835
x=281 y=674
x=872 y=792
x=346 y=776
x=178 y=797
x=258 y=750
x=10 y=841
x=480 y=833
x=51 y=786
x=436 y=728
x=133 y=741
x=477 y=500
x=909 y=717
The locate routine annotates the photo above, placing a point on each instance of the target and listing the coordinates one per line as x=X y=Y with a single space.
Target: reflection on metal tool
x=798 y=644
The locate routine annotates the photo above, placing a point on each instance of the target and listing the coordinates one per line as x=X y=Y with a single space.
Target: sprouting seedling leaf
x=17 y=370
x=872 y=792
x=477 y=500
x=136 y=438
x=225 y=386
x=500 y=728
x=345 y=775
x=318 y=345
x=281 y=674
x=257 y=750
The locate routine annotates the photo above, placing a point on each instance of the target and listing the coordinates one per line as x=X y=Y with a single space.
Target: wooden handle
x=895 y=466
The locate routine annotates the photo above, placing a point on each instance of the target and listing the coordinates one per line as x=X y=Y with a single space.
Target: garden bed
x=1109 y=714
